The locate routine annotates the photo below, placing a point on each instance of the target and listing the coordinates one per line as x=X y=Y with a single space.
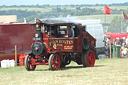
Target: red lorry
x=57 y=43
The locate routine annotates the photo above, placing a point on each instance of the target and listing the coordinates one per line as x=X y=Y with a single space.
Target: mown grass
x=101 y=17
x=27 y=8
x=105 y=72
x=67 y=7
x=111 y=7
x=48 y=9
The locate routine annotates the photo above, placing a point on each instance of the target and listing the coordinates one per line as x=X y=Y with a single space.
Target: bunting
x=107 y=10
x=125 y=16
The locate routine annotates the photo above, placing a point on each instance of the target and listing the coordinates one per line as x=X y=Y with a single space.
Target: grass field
x=62 y=7
x=49 y=8
x=102 y=17
x=112 y=7
x=26 y=8
x=105 y=72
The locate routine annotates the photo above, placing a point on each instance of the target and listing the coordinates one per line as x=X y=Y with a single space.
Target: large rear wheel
x=54 y=61
x=88 y=58
x=28 y=63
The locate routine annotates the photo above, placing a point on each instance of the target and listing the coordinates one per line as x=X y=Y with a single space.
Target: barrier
x=7 y=63
x=21 y=59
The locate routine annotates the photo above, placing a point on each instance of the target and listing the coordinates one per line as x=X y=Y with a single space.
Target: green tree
x=115 y=25
x=118 y=25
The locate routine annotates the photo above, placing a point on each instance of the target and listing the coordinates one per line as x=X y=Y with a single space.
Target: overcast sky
x=58 y=2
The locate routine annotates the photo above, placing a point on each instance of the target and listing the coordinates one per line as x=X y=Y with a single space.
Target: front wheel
x=54 y=61
x=88 y=58
x=28 y=63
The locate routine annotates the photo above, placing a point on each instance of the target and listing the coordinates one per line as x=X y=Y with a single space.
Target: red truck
x=57 y=43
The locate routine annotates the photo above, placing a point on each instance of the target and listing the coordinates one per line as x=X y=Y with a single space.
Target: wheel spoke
x=32 y=66
x=29 y=65
x=55 y=58
x=55 y=65
x=90 y=58
x=53 y=62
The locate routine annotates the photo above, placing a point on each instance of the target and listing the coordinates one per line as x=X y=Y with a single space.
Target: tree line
x=64 y=10
x=54 y=12
x=47 y=5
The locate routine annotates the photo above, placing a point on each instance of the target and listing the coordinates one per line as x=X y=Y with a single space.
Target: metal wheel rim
x=91 y=58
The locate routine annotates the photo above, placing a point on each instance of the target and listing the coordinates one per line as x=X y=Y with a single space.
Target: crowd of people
x=110 y=45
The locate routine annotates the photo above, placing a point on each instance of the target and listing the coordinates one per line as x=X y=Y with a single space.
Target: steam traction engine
x=56 y=44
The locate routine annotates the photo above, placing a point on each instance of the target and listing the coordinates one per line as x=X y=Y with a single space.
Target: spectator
x=123 y=50
x=107 y=51
x=120 y=42
x=114 y=41
x=127 y=52
x=126 y=41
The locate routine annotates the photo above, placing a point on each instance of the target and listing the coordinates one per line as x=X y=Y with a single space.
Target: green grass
x=102 y=17
x=67 y=7
x=105 y=71
x=27 y=8
x=119 y=7
x=48 y=9
x=111 y=7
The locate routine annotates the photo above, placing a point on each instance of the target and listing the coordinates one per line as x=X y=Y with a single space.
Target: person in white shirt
x=126 y=41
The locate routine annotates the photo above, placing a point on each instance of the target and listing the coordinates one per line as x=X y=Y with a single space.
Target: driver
x=71 y=31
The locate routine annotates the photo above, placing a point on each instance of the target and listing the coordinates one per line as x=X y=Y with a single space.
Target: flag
x=107 y=10
x=125 y=16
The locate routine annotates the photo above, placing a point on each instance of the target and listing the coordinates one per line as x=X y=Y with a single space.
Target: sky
x=58 y=2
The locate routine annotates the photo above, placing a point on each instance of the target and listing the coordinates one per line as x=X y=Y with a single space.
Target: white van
x=94 y=27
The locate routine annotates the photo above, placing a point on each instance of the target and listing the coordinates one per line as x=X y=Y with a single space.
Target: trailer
x=19 y=34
